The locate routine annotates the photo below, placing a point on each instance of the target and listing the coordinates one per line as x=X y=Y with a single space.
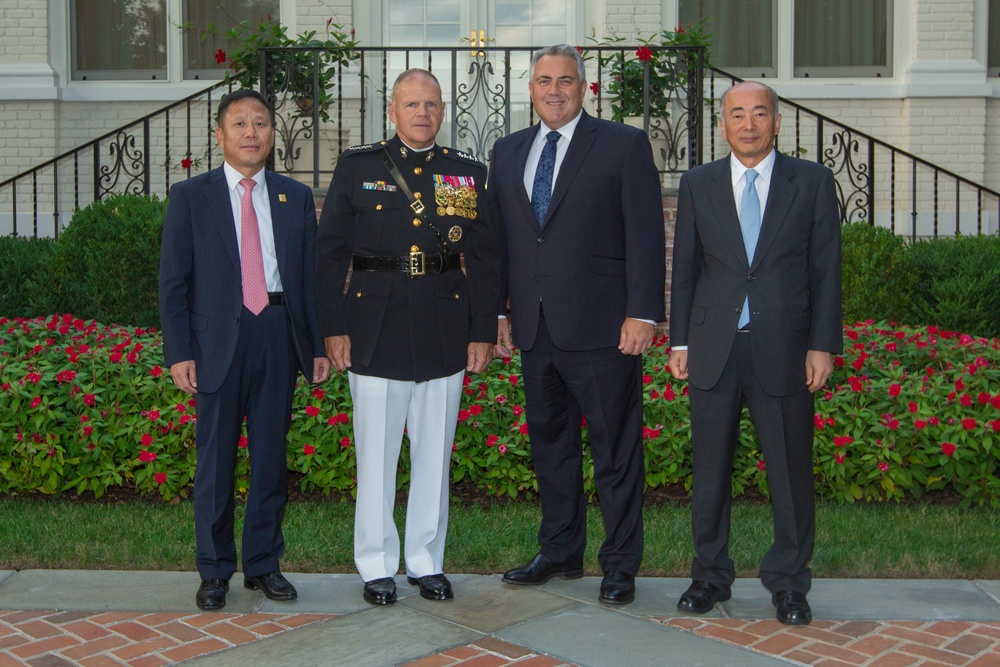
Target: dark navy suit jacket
x=200 y=279
x=599 y=256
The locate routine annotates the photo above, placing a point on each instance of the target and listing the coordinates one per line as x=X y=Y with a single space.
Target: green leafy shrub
x=23 y=266
x=954 y=283
x=873 y=287
x=86 y=407
x=106 y=263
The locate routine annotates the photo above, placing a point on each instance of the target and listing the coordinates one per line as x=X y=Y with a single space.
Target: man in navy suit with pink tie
x=238 y=313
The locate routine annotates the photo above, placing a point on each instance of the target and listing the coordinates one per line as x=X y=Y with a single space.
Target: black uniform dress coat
x=402 y=327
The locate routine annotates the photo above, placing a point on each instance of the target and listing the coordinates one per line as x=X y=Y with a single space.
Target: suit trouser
x=259 y=385
x=605 y=386
x=429 y=413
x=784 y=427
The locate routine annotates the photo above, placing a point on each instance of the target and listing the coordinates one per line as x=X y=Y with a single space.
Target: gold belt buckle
x=418 y=264
x=417 y=206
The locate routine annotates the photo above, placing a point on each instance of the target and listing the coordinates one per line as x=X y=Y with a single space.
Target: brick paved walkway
x=64 y=639
x=859 y=643
x=69 y=639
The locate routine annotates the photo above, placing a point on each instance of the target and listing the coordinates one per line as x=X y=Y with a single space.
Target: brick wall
x=24 y=31
x=943 y=29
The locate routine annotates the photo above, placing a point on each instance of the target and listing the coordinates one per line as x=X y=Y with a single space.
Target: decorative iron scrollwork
x=480 y=103
x=126 y=171
x=852 y=176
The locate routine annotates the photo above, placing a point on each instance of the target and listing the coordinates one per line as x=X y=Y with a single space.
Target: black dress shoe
x=274 y=585
x=793 y=608
x=212 y=594
x=433 y=586
x=540 y=570
x=380 y=591
x=617 y=587
x=701 y=596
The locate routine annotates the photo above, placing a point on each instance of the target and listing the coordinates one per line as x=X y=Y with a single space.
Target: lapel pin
x=282 y=198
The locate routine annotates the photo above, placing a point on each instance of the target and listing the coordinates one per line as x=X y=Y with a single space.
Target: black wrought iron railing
x=321 y=111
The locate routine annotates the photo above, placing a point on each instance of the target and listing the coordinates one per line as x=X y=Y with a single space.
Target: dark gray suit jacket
x=793 y=284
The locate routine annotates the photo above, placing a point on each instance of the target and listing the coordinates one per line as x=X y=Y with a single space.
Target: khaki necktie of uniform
x=251 y=257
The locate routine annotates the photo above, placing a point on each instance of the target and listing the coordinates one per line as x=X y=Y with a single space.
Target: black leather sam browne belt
x=414 y=264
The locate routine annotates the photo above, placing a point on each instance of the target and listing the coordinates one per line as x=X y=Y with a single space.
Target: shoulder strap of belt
x=415 y=204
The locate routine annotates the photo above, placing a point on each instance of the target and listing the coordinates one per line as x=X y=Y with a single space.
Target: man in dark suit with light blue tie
x=755 y=319
x=238 y=313
x=579 y=200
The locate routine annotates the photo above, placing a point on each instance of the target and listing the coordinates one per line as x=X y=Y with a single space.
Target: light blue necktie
x=750 y=224
x=541 y=187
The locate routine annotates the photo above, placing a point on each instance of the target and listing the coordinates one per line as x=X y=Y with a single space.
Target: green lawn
x=864 y=540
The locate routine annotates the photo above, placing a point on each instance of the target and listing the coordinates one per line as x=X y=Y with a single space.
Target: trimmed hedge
x=871 y=258
x=105 y=265
x=24 y=266
x=953 y=282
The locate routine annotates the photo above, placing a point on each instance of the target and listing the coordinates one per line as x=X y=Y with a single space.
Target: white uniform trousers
x=429 y=413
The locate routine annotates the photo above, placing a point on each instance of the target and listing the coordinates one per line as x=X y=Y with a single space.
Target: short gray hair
x=412 y=73
x=770 y=91
x=558 y=50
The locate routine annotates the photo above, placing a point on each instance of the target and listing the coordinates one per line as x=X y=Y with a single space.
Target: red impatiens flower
x=160 y=478
x=502 y=448
x=501 y=399
x=947 y=448
x=842 y=440
x=146 y=440
x=920 y=423
x=36 y=401
x=186 y=163
x=345 y=442
x=312 y=410
x=242 y=442
x=475 y=409
x=966 y=401
x=147 y=456
x=318 y=393
x=894 y=389
x=513 y=380
x=646 y=379
x=644 y=53
x=156 y=371
x=491 y=440
x=220 y=56
x=839 y=458
x=523 y=428
x=463 y=415
x=308 y=449
x=968 y=423
x=761 y=465
x=154 y=415
x=883 y=466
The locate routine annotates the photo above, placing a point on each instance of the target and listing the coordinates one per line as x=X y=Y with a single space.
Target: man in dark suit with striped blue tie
x=755 y=319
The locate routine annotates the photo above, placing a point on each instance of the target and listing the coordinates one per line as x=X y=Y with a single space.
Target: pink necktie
x=251 y=258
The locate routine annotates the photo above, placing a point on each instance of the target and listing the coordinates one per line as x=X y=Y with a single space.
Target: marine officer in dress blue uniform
x=401 y=220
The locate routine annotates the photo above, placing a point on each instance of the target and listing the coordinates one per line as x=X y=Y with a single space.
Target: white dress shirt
x=531 y=165
x=262 y=208
x=737 y=171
